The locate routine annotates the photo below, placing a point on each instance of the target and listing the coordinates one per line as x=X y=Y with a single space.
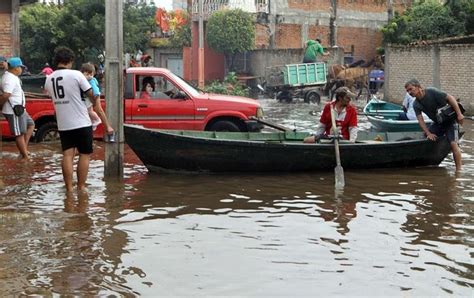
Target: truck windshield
x=185 y=85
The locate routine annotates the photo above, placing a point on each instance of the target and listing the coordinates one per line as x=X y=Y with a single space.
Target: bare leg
x=67 y=166
x=20 y=144
x=456 y=155
x=82 y=171
x=28 y=134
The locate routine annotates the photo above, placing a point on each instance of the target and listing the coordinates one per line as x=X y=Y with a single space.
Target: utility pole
x=114 y=86
x=15 y=19
x=333 y=24
x=201 y=45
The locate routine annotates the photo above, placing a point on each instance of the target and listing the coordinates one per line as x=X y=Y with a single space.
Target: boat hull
x=167 y=150
x=383 y=124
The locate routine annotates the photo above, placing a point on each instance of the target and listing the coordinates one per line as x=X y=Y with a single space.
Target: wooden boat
x=383 y=116
x=377 y=107
x=381 y=123
x=278 y=151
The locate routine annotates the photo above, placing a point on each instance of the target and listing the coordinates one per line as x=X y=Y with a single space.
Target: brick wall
x=262 y=38
x=5 y=35
x=455 y=70
x=364 y=41
x=288 y=36
x=456 y=65
x=295 y=21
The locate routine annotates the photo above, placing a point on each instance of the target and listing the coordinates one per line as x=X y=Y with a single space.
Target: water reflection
x=402 y=231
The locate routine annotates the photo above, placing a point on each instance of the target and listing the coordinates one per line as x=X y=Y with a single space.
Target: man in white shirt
x=408 y=110
x=74 y=124
x=20 y=123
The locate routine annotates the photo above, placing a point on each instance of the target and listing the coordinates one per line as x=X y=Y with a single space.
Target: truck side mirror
x=181 y=95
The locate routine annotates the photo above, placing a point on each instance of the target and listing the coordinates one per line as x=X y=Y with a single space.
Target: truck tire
x=225 y=125
x=312 y=96
x=284 y=96
x=47 y=132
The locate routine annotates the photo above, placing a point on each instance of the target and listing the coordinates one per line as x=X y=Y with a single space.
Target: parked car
x=173 y=104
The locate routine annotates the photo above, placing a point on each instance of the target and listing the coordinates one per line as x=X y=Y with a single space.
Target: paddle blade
x=339 y=175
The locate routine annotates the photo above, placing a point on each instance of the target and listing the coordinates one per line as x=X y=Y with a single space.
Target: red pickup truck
x=172 y=104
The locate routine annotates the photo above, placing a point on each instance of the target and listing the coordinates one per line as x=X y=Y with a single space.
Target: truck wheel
x=284 y=96
x=312 y=96
x=225 y=125
x=47 y=132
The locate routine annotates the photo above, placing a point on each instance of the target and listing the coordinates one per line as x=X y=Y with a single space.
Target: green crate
x=305 y=74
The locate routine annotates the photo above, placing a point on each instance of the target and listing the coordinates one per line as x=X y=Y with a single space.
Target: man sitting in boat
x=346 y=118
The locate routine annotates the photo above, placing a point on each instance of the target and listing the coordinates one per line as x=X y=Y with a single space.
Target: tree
x=230 y=32
x=463 y=11
x=138 y=23
x=39 y=34
x=423 y=21
x=79 y=25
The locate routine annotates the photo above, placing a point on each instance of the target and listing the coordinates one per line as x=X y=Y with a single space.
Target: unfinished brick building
x=353 y=25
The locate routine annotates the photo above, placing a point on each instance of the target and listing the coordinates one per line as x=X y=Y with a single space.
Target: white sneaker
x=96 y=123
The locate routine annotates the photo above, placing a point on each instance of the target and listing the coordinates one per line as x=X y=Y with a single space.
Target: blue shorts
x=80 y=138
x=447 y=129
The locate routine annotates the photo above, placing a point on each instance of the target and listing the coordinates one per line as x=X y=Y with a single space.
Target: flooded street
x=403 y=232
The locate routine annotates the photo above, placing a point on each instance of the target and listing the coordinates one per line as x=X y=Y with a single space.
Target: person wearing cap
x=313 y=49
x=65 y=86
x=346 y=117
x=21 y=126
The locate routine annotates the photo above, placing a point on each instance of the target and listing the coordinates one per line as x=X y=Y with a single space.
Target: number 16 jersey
x=65 y=87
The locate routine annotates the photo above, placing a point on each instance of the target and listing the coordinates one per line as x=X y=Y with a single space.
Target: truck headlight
x=259 y=113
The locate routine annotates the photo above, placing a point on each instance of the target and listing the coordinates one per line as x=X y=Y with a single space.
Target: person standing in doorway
x=74 y=124
x=13 y=100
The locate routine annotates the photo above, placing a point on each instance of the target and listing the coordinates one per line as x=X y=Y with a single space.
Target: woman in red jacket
x=346 y=117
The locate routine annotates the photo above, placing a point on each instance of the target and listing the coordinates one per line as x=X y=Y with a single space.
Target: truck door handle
x=143 y=106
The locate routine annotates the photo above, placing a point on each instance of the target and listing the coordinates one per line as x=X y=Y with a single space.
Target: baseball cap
x=346 y=91
x=15 y=62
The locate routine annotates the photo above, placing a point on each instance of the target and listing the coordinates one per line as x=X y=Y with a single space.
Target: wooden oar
x=272 y=125
x=338 y=170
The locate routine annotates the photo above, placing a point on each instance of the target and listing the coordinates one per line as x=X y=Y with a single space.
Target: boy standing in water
x=74 y=124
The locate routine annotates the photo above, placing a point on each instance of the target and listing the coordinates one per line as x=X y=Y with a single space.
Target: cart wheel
x=312 y=96
x=284 y=96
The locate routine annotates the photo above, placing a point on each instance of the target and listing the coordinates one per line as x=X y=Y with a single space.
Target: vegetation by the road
x=429 y=19
x=230 y=32
x=80 y=25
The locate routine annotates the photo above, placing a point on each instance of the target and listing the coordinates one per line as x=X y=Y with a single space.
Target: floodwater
x=403 y=232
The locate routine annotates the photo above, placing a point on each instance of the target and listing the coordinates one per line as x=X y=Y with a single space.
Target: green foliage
x=230 y=32
x=39 y=34
x=80 y=25
x=138 y=23
x=229 y=86
x=463 y=10
x=182 y=36
x=426 y=20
